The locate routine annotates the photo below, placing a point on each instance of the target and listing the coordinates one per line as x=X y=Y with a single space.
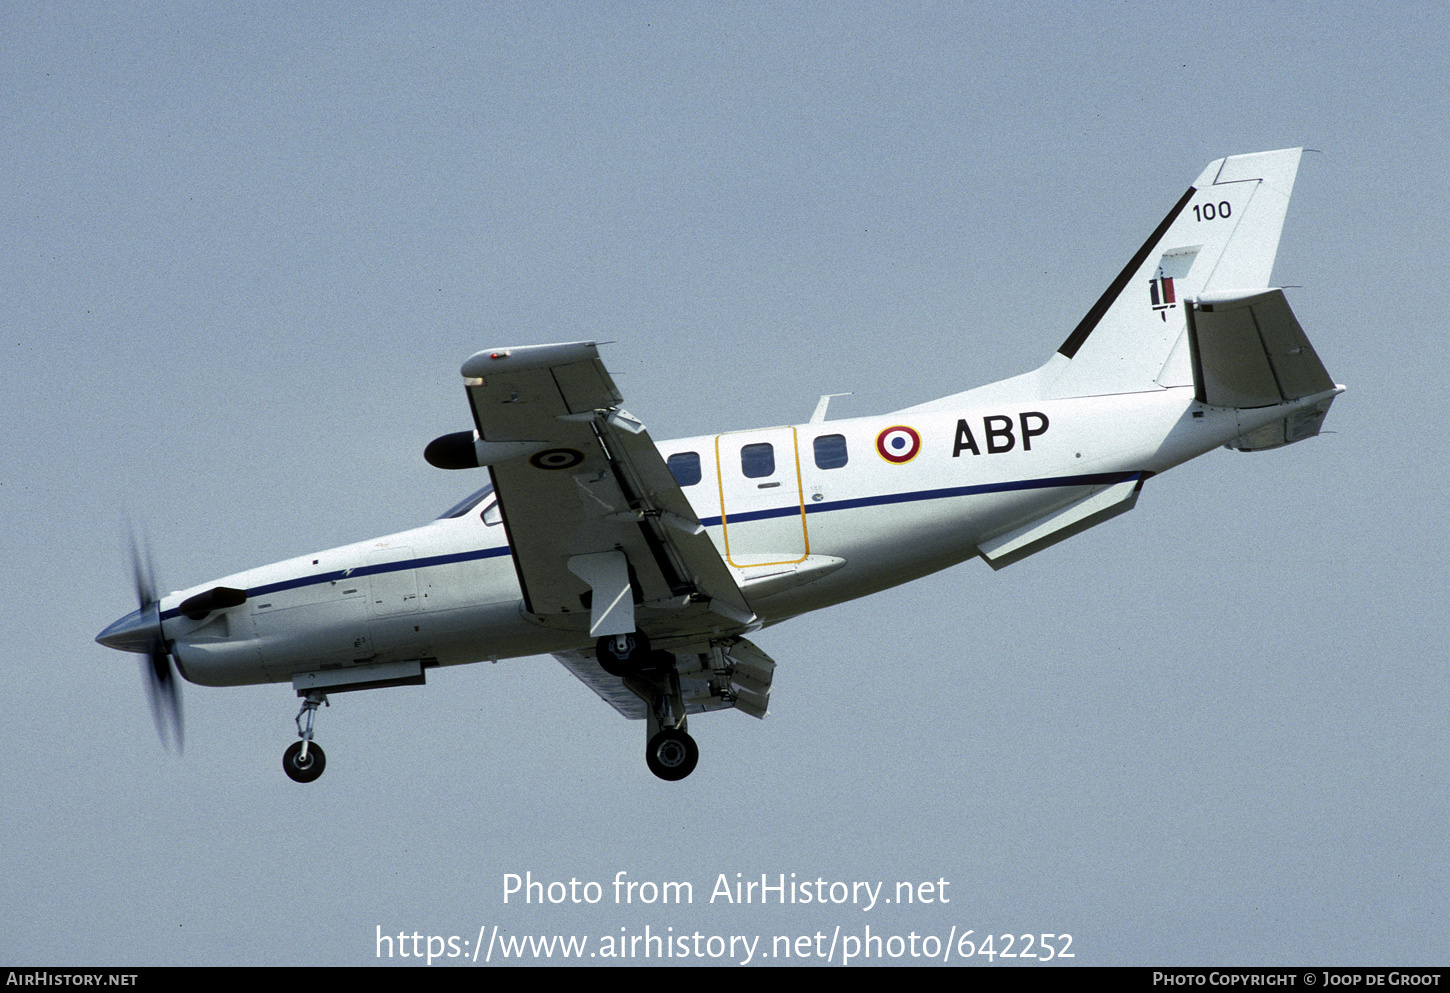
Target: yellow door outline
x=800 y=495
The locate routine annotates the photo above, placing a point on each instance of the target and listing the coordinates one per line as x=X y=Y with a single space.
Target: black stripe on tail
x=1085 y=326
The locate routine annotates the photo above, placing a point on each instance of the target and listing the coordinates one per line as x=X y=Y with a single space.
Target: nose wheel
x=304 y=768
x=304 y=760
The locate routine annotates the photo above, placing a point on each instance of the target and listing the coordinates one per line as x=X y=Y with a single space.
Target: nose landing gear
x=304 y=760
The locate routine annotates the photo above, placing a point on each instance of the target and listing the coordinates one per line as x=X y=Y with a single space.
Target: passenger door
x=762 y=510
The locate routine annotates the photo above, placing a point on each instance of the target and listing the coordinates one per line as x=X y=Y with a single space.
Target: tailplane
x=1248 y=351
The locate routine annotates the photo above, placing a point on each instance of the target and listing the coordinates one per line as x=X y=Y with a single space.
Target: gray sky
x=246 y=249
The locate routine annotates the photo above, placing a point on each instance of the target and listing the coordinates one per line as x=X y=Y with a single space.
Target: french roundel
x=898 y=444
x=557 y=458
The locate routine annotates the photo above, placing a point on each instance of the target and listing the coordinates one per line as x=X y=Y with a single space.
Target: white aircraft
x=642 y=567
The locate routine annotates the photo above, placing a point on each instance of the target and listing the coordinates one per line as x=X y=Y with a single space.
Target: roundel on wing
x=898 y=444
x=557 y=458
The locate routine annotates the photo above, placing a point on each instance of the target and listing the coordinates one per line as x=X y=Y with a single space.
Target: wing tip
x=519 y=357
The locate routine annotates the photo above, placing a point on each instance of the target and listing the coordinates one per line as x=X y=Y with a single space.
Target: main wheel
x=672 y=754
x=628 y=663
x=303 y=771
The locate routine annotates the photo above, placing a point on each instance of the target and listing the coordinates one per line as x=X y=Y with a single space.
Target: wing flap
x=665 y=511
x=611 y=610
x=735 y=674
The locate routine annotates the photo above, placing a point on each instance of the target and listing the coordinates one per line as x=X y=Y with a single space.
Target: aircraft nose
x=138 y=631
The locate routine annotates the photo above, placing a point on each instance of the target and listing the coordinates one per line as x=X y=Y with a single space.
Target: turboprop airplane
x=644 y=567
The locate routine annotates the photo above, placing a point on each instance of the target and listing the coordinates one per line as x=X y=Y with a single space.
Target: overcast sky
x=247 y=247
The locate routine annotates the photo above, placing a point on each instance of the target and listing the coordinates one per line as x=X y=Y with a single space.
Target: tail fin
x=1220 y=237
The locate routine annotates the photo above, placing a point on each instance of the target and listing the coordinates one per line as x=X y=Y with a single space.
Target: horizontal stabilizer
x=1075 y=518
x=1249 y=351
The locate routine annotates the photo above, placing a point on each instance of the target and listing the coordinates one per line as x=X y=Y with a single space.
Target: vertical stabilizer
x=1221 y=235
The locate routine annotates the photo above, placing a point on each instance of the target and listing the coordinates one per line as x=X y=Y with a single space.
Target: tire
x=303 y=773
x=631 y=663
x=672 y=755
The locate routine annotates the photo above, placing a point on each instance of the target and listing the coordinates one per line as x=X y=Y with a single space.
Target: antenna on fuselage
x=820 y=414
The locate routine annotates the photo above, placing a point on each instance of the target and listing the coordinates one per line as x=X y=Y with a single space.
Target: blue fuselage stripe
x=944 y=493
x=375 y=569
x=914 y=496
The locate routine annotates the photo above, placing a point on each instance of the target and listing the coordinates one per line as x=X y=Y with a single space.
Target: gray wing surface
x=598 y=527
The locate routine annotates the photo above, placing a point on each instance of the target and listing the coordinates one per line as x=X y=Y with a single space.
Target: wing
x=598 y=527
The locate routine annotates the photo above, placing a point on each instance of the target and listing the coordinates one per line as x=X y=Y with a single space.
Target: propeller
x=145 y=635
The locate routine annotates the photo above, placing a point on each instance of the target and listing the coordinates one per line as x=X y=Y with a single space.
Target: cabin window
x=685 y=467
x=758 y=460
x=830 y=451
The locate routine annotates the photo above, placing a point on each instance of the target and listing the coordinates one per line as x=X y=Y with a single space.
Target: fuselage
x=806 y=516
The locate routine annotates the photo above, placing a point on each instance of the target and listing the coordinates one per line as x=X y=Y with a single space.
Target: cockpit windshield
x=467 y=504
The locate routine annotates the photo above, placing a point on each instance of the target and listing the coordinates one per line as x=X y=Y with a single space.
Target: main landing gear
x=304 y=760
x=626 y=654
x=669 y=751
x=671 y=754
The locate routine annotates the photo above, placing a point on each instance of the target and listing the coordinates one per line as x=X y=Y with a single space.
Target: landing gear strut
x=669 y=750
x=304 y=760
